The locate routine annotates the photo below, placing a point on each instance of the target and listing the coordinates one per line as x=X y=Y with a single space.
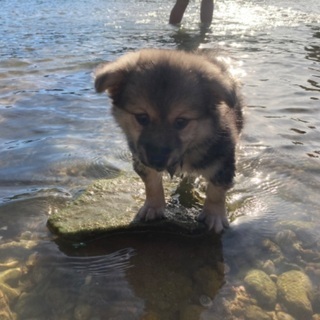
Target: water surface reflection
x=57 y=136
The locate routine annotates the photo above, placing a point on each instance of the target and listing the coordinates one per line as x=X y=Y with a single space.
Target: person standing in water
x=206 y=11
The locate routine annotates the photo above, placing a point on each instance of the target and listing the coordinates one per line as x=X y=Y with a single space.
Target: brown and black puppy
x=180 y=112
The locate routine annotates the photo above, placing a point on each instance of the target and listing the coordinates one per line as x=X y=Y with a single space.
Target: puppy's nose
x=157 y=156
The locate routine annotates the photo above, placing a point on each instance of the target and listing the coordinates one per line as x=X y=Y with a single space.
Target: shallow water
x=57 y=135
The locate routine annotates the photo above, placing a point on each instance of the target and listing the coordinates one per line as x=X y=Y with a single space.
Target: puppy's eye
x=180 y=123
x=143 y=119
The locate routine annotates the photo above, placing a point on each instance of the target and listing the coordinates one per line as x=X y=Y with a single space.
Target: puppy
x=181 y=113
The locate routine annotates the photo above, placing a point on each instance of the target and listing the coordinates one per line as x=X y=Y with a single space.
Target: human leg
x=206 y=11
x=178 y=11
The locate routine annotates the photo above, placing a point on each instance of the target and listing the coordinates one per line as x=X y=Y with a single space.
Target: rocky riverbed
x=179 y=274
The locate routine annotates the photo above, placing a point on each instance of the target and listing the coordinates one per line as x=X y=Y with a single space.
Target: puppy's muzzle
x=157 y=156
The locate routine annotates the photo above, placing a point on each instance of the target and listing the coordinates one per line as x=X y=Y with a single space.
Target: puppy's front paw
x=150 y=212
x=214 y=218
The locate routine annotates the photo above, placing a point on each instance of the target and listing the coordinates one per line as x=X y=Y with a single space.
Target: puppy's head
x=168 y=103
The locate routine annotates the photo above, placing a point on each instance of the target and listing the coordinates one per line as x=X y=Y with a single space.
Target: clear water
x=57 y=135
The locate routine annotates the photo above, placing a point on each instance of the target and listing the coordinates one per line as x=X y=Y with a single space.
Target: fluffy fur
x=180 y=112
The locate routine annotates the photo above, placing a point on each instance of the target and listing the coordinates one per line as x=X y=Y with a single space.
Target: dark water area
x=57 y=136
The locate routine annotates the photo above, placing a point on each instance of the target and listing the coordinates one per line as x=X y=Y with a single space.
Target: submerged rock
x=191 y=312
x=305 y=231
x=109 y=206
x=208 y=281
x=254 y=313
x=262 y=287
x=295 y=292
x=30 y=306
x=284 y=316
x=5 y=312
x=16 y=250
x=82 y=312
x=10 y=276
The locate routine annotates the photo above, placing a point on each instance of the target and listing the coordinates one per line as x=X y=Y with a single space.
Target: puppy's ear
x=108 y=78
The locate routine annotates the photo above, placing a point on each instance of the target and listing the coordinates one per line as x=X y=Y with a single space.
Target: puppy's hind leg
x=214 y=210
x=154 y=205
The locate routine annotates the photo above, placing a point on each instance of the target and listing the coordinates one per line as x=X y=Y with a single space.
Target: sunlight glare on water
x=247 y=16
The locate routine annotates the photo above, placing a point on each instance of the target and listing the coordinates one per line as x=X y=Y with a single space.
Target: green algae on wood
x=110 y=206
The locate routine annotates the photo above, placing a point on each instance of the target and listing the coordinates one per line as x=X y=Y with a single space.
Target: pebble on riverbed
x=262 y=287
x=295 y=291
